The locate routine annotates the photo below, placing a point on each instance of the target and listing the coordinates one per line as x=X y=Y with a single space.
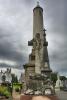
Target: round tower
x=37 y=20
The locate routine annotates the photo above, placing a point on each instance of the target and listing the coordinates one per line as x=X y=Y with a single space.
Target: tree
x=54 y=77
x=14 y=78
x=62 y=78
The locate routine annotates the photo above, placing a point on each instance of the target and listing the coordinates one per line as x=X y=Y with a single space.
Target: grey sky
x=16 y=22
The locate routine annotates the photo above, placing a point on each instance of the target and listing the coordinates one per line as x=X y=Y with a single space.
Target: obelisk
x=38 y=59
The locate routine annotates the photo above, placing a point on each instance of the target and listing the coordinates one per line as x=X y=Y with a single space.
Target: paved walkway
x=62 y=95
x=16 y=96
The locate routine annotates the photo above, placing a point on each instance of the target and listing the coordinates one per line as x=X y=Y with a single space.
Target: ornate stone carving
x=37 y=42
x=37 y=46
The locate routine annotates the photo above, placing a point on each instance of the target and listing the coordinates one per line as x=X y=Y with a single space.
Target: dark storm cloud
x=12 y=45
x=58 y=57
x=16 y=22
x=56 y=24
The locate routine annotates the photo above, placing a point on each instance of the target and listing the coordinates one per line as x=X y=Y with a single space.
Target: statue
x=58 y=83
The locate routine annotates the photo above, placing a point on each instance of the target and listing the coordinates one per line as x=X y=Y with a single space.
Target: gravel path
x=16 y=96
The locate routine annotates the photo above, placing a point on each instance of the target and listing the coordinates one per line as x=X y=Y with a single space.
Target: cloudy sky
x=16 y=22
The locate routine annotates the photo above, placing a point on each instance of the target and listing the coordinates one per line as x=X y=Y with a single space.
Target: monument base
x=39 y=85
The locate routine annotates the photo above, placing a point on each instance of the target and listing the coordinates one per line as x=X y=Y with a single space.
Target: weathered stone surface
x=38 y=60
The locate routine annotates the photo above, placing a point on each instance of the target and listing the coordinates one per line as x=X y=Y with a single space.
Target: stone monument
x=58 y=83
x=37 y=70
x=7 y=74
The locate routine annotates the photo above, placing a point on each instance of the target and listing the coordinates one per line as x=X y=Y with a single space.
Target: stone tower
x=38 y=59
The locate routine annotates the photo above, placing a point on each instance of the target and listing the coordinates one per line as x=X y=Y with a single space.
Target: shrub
x=17 y=89
x=7 y=94
x=4 y=91
x=17 y=86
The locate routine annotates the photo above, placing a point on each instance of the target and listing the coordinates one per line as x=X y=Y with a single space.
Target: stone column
x=37 y=21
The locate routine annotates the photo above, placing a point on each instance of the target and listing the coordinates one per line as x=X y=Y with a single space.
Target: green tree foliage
x=14 y=78
x=62 y=78
x=53 y=77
